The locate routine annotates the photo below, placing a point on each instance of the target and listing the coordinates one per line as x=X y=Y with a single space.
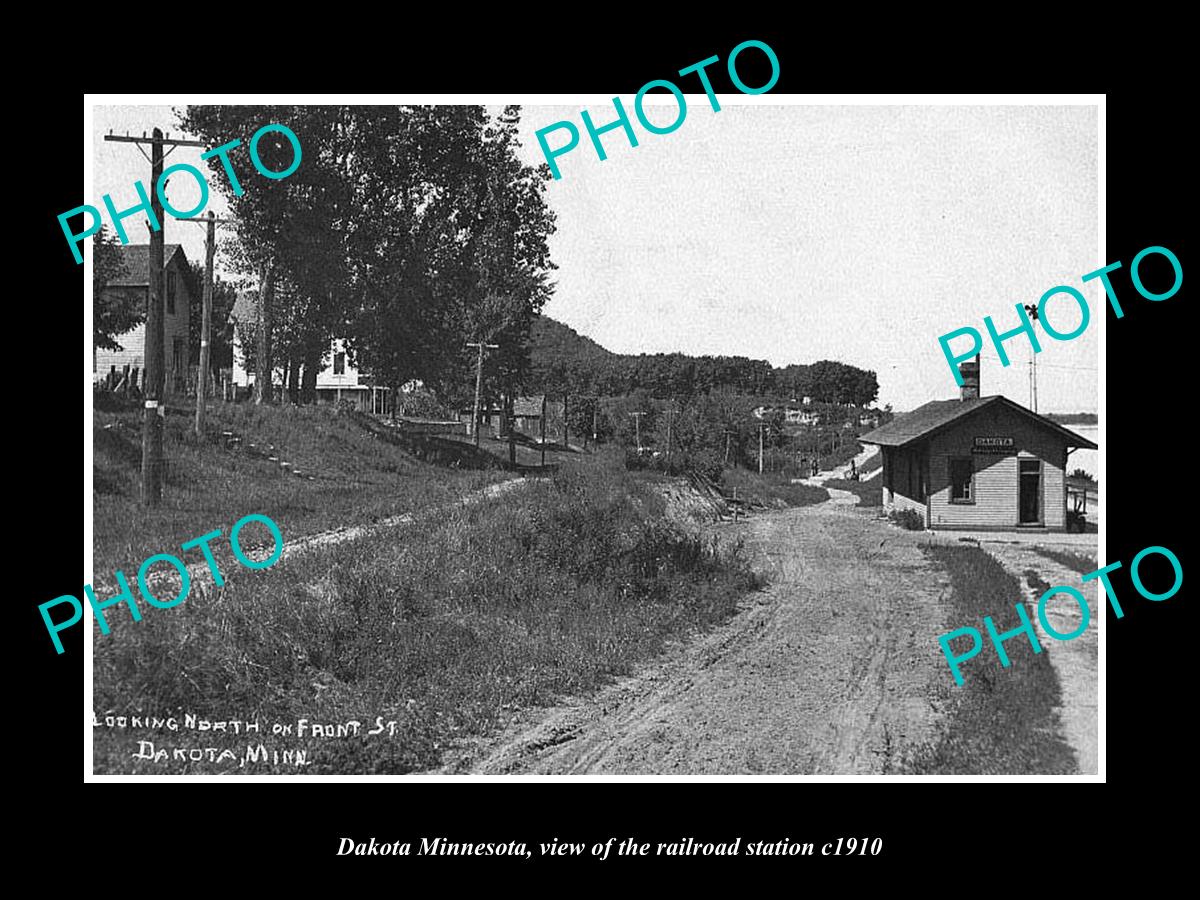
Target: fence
x=131 y=380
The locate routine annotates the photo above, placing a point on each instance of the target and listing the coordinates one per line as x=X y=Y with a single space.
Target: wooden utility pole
x=509 y=425
x=154 y=413
x=637 y=428
x=482 y=345
x=761 y=426
x=1033 y=315
x=266 y=287
x=729 y=433
x=543 y=439
x=566 y=422
x=210 y=249
x=595 y=433
x=670 y=410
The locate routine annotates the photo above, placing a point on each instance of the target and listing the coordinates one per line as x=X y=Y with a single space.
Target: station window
x=962 y=480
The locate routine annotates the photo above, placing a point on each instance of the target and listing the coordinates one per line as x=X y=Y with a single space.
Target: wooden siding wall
x=996 y=484
x=902 y=472
x=133 y=343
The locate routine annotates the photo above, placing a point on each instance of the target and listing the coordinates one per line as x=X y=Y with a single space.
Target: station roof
x=937 y=415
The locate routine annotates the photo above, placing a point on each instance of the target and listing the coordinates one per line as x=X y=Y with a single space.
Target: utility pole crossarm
x=132 y=139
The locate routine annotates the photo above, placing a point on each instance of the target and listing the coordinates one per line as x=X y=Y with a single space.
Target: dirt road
x=826 y=671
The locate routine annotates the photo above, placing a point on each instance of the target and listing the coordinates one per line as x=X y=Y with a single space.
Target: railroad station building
x=977 y=463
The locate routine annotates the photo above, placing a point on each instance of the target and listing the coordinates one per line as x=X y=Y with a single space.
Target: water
x=1088 y=460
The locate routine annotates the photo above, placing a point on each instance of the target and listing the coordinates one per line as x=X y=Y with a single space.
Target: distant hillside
x=563 y=360
x=553 y=342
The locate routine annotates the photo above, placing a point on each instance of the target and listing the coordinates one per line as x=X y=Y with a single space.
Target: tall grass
x=770 y=489
x=1002 y=721
x=356 y=477
x=446 y=627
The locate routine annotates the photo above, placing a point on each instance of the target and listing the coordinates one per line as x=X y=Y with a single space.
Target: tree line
x=677 y=375
x=406 y=231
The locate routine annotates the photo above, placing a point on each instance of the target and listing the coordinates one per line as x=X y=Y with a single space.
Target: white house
x=338 y=379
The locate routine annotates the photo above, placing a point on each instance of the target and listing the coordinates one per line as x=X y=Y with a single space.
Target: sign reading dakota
x=1003 y=445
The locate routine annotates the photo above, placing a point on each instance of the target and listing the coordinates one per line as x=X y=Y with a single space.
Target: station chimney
x=970 y=379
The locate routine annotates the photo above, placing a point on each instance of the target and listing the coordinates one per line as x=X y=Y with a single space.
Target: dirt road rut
x=826 y=671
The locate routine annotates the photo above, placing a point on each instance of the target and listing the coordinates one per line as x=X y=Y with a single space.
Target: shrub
x=908 y=519
x=445 y=625
x=770 y=489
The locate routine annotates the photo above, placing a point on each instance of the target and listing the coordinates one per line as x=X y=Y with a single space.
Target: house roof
x=137 y=263
x=936 y=415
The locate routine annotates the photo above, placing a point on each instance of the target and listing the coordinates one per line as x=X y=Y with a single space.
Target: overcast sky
x=798 y=233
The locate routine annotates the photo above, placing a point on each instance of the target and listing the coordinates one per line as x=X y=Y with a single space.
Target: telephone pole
x=637 y=428
x=761 y=426
x=670 y=410
x=153 y=412
x=1033 y=314
x=482 y=345
x=542 y=439
x=263 y=389
x=210 y=250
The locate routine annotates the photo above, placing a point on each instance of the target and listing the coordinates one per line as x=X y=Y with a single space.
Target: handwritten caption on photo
x=191 y=750
x=185 y=580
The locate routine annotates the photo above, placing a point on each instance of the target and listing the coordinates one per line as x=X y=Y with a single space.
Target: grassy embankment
x=1002 y=720
x=445 y=626
x=357 y=476
x=770 y=489
x=872 y=463
x=1077 y=562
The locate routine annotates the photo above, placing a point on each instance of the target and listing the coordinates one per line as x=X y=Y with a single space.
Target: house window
x=962 y=480
x=171 y=293
x=339 y=364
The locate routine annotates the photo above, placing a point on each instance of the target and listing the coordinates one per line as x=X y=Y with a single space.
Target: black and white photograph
x=464 y=440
